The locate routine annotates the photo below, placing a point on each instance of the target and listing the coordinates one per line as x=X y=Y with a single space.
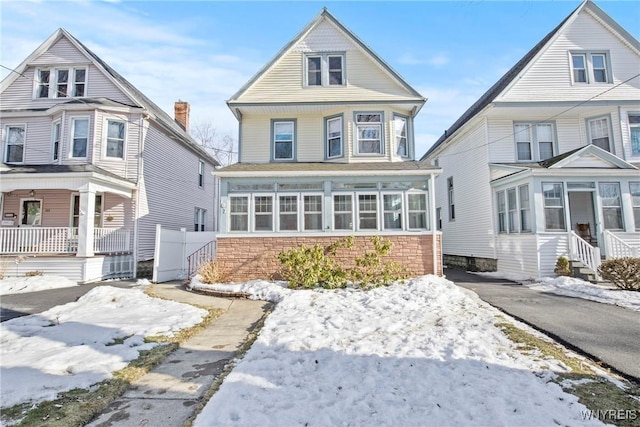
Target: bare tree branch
x=222 y=147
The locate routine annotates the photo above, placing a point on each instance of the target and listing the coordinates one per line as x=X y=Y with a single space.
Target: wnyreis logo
x=611 y=415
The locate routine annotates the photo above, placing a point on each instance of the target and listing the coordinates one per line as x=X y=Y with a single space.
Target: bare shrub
x=622 y=272
x=212 y=272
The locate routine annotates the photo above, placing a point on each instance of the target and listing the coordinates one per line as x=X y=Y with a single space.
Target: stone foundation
x=247 y=258
x=470 y=263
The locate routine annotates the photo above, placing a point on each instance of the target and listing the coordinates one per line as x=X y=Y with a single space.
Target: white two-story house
x=545 y=163
x=89 y=167
x=326 y=150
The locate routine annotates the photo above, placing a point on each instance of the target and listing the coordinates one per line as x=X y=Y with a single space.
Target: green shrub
x=308 y=267
x=562 y=267
x=622 y=272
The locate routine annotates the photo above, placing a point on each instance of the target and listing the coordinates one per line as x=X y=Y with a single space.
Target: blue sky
x=203 y=51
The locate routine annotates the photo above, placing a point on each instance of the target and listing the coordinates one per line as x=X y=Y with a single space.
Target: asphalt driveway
x=605 y=332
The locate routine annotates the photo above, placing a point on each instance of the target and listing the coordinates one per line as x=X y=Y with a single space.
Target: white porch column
x=627 y=207
x=85 y=223
x=433 y=225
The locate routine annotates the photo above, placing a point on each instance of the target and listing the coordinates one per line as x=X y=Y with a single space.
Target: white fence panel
x=172 y=249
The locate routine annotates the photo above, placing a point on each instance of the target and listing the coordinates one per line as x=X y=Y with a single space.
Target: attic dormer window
x=324 y=69
x=60 y=82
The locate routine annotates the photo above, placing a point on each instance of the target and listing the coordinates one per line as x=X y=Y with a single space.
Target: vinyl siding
x=128 y=166
x=61 y=52
x=472 y=231
x=550 y=247
x=169 y=192
x=517 y=254
x=549 y=78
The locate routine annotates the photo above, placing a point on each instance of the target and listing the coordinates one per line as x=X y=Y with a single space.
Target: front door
x=31 y=215
x=582 y=215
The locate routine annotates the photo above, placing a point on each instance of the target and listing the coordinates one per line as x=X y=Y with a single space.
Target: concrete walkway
x=605 y=332
x=169 y=395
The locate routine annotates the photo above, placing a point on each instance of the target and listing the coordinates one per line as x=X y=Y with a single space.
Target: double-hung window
x=55 y=136
x=199 y=219
x=312 y=212
x=324 y=69
x=525 y=208
x=369 y=133
x=80 y=138
x=238 y=213
x=343 y=212
x=283 y=139
x=534 y=141
x=367 y=211
x=200 y=173
x=502 y=212
x=288 y=212
x=512 y=210
x=553 y=194
x=417 y=211
x=392 y=211
x=401 y=132
x=333 y=126
x=634 y=189
x=75 y=213
x=263 y=213
x=599 y=133
x=450 y=199
x=611 y=205
x=14 y=144
x=115 y=139
x=634 y=133
x=590 y=67
x=60 y=82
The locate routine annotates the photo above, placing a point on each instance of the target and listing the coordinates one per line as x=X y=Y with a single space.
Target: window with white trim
x=14 y=143
x=343 y=212
x=283 y=139
x=392 y=211
x=634 y=189
x=115 y=139
x=417 y=211
x=534 y=141
x=452 y=205
x=263 y=213
x=312 y=212
x=611 y=205
x=439 y=218
x=324 y=69
x=333 y=126
x=80 y=137
x=367 y=211
x=553 y=194
x=512 y=210
x=590 y=67
x=368 y=133
x=239 y=213
x=75 y=211
x=200 y=173
x=599 y=132
x=401 y=132
x=502 y=211
x=525 y=208
x=634 y=133
x=60 y=82
x=199 y=216
x=288 y=212
x=55 y=136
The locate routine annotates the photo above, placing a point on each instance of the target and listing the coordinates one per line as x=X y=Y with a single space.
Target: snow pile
x=577 y=288
x=257 y=289
x=76 y=344
x=424 y=353
x=19 y=285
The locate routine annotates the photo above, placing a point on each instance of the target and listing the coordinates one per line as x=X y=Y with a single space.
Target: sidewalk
x=169 y=394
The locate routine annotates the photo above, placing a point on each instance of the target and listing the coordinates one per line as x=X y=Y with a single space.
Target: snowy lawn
x=422 y=353
x=18 y=285
x=577 y=288
x=81 y=343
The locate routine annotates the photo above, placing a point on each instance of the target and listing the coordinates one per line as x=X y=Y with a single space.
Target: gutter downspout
x=434 y=240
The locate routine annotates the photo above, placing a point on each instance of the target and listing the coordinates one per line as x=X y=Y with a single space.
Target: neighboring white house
x=553 y=144
x=89 y=167
x=326 y=150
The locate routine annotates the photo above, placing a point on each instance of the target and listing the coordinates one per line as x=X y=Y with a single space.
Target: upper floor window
x=60 y=82
x=334 y=137
x=534 y=141
x=598 y=131
x=400 y=129
x=80 y=138
x=590 y=67
x=200 y=173
x=115 y=139
x=369 y=133
x=283 y=140
x=634 y=133
x=325 y=69
x=56 y=140
x=14 y=144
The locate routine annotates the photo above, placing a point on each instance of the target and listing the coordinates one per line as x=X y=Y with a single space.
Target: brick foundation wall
x=247 y=258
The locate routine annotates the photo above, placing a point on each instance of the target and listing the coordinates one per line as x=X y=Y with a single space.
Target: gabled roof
x=158 y=115
x=324 y=14
x=510 y=76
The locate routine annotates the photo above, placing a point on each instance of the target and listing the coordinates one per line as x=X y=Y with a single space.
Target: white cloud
x=436 y=60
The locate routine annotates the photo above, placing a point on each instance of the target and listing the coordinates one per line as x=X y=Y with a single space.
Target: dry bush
x=622 y=272
x=212 y=272
x=33 y=273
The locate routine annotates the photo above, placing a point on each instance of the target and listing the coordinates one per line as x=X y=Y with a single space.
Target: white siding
x=128 y=167
x=517 y=254
x=550 y=248
x=549 y=78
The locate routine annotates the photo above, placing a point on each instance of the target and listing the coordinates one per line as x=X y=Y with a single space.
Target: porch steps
x=583 y=272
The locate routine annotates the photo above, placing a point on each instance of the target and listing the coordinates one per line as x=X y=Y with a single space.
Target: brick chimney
x=181 y=114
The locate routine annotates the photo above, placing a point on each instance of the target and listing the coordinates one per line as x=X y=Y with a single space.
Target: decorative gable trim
x=590 y=156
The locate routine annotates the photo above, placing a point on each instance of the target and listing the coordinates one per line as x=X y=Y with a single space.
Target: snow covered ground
x=75 y=345
x=577 y=288
x=422 y=353
x=18 y=285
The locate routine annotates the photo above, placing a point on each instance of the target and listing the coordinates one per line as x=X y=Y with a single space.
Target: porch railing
x=60 y=240
x=582 y=251
x=618 y=248
x=199 y=257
